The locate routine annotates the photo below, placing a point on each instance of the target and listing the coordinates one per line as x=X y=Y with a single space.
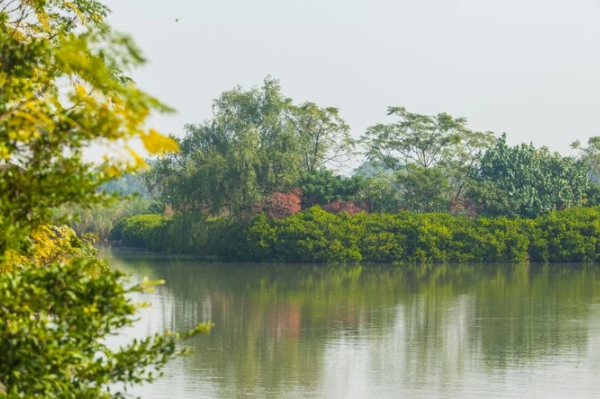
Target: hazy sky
x=530 y=68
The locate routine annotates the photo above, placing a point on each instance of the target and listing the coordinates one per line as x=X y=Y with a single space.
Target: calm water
x=297 y=331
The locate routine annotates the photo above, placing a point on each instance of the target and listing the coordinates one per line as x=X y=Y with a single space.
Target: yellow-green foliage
x=138 y=230
x=187 y=234
x=572 y=235
x=62 y=90
x=52 y=321
x=49 y=245
x=318 y=236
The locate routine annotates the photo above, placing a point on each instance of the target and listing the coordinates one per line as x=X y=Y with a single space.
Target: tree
x=465 y=158
x=524 y=181
x=424 y=189
x=324 y=136
x=590 y=155
x=419 y=142
x=420 y=139
x=62 y=89
x=257 y=143
x=378 y=194
x=247 y=150
x=42 y=132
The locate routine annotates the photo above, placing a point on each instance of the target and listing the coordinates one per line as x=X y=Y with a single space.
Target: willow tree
x=245 y=151
x=257 y=142
x=62 y=89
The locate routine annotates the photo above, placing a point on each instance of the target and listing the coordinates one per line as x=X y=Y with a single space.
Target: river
x=373 y=331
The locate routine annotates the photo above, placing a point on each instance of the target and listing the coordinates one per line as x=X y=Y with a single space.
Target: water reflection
x=375 y=331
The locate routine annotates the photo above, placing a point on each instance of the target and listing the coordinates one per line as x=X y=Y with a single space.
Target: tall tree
x=257 y=143
x=324 y=136
x=420 y=139
x=247 y=150
x=418 y=142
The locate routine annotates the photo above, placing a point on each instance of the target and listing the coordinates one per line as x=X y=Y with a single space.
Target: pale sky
x=530 y=68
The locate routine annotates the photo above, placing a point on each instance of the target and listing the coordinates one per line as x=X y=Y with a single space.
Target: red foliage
x=343 y=206
x=465 y=208
x=169 y=211
x=279 y=205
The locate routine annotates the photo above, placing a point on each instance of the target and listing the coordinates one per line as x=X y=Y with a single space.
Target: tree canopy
x=257 y=143
x=524 y=181
x=432 y=156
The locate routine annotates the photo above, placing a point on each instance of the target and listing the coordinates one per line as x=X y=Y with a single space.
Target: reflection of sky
x=433 y=347
x=395 y=367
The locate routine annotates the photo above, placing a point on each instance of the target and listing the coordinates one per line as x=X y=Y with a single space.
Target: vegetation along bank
x=258 y=182
x=315 y=235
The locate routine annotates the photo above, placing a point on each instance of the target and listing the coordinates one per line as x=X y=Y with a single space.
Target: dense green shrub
x=314 y=235
x=184 y=234
x=141 y=231
x=572 y=235
x=196 y=235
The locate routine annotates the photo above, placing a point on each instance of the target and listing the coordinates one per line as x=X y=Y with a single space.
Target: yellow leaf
x=156 y=143
x=138 y=162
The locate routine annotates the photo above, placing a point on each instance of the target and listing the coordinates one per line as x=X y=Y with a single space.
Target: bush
x=196 y=235
x=572 y=235
x=278 y=205
x=141 y=231
x=315 y=235
x=343 y=206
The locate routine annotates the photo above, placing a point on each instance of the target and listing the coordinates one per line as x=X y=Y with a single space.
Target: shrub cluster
x=315 y=235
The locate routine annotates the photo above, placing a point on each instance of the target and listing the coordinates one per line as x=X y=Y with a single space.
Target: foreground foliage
x=52 y=323
x=62 y=89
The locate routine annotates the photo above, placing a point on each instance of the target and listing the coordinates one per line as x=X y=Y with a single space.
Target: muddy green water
x=315 y=331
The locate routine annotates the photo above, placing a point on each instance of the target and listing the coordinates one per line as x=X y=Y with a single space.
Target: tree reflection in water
x=373 y=330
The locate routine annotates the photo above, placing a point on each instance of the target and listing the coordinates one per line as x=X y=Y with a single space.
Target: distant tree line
x=263 y=153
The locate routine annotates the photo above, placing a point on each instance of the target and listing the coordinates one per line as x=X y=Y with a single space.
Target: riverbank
x=314 y=235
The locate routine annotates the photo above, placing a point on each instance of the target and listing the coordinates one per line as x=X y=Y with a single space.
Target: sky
x=530 y=68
